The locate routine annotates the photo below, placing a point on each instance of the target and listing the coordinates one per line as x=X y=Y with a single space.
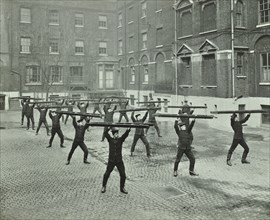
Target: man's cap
x=114 y=130
x=80 y=120
x=137 y=115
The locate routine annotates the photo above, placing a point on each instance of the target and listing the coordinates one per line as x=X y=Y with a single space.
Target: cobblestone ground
x=36 y=183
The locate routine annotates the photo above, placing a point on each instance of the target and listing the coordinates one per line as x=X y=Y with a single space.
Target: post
x=232 y=44
x=20 y=76
x=175 y=52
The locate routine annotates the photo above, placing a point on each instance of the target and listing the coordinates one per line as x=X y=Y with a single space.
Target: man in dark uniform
x=108 y=117
x=139 y=134
x=115 y=158
x=97 y=107
x=70 y=104
x=80 y=128
x=123 y=106
x=24 y=103
x=184 y=145
x=83 y=108
x=42 y=118
x=30 y=115
x=238 y=138
x=152 y=118
x=60 y=102
x=56 y=128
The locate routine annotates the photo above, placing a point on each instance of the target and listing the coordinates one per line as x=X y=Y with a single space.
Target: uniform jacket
x=184 y=136
x=82 y=108
x=152 y=118
x=139 y=131
x=108 y=115
x=24 y=105
x=43 y=113
x=70 y=105
x=115 y=146
x=237 y=127
x=123 y=105
x=79 y=130
x=55 y=119
x=30 y=109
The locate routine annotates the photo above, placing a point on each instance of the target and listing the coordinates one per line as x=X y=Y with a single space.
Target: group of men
x=183 y=128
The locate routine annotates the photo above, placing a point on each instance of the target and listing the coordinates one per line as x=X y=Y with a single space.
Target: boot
x=131 y=154
x=175 y=174
x=103 y=190
x=149 y=155
x=68 y=162
x=86 y=162
x=192 y=173
x=62 y=146
x=229 y=163
x=122 y=190
x=245 y=161
x=49 y=146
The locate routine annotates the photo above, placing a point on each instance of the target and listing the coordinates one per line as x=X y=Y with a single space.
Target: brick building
x=58 y=48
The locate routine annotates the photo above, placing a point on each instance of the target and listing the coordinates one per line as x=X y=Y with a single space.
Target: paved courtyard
x=36 y=183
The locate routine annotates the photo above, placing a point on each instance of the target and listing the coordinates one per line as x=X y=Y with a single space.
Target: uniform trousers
x=82 y=146
x=235 y=142
x=121 y=169
x=121 y=116
x=144 y=140
x=155 y=125
x=60 y=134
x=30 y=118
x=189 y=155
x=44 y=121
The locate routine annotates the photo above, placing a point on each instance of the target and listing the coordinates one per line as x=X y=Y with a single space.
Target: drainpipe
x=20 y=77
x=175 y=52
x=232 y=45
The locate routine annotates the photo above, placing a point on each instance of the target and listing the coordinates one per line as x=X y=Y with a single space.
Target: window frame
x=24 y=46
x=120 y=47
x=101 y=22
x=79 y=16
x=100 y=48
x=143 y=9
x=260 y=11
x=77 y=47
x=28 y=74
x=25 y=16
x=120 y=21
x=262 y=67
x=52 y=41
x=51 y=11
x=59 y=72
x=144 y=41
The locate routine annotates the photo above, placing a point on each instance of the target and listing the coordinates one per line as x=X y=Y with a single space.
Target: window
x=186 y=23
x=102 y=50
x=132 y=74
x=109 y=76
x=208 y=17
x=158 y=18
x=76 y=73
x=25 y=44
x=239 y=14
x=100 y=76
x=53 y=17
x=159 y=36
x=239 y=63
x=120 y=47
x=265 y=67
x=79 y=20
x=143 y=9
x=130 y=14
x=131 y=43
x=79 y=47
x=56 y=74
x=145 y=72
x=144 y=40
x=185 y=71
x=32 y=74
x=209 y=77
x=264 y=11
x=53 y=48
x=25 y=15
x=120 y=20
x=102 y=21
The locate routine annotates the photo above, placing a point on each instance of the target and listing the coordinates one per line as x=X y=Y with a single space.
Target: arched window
x=186 y=23
x=144 y=62
x=209 y=17
x=239 y=14
x=132 y=70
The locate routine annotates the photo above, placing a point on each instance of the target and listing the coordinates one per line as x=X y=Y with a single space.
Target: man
x=80 y=128
x=60 y=102
x=55 y=116
x=115 y=158
x=184 y=145
x=70 y=104
x=108 y=117
x=152 y=118
x=30 y=114
x=83 y=108
x=42 y=118
x=139 y=134
x=24 y=104
x=123 y=106
x=97 y=107
x=238 y=138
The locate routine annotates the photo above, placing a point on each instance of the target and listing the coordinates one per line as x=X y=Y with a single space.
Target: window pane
x=79 y=19
x=53 y=17
x=26 y=15
x=264 y=59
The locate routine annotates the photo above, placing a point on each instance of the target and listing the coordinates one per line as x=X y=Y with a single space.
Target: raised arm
x=78 y=105
x=245 y=119
x=87 y=104
x=189 y=129
x=106 y=134
x=132 y=117
x=105 y=109
x=74 y=122
x=115 y=107
x=125 y=135
x=145 y=116
x=50 y=114
x=87 y=119
x=176 y=128
x=233 y=119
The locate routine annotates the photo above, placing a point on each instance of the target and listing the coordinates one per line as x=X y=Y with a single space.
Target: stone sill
x=144 y=83
x=264 y=83
x=262 y=25
x=241 y=77
x=131 y=83
x=53 y=24
x=208 y=32
x=79 y=26
x=25 y=52
x=187 y=36
x=33 y=84
x=209 y=87
x=159 y=46
x=185 y=86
